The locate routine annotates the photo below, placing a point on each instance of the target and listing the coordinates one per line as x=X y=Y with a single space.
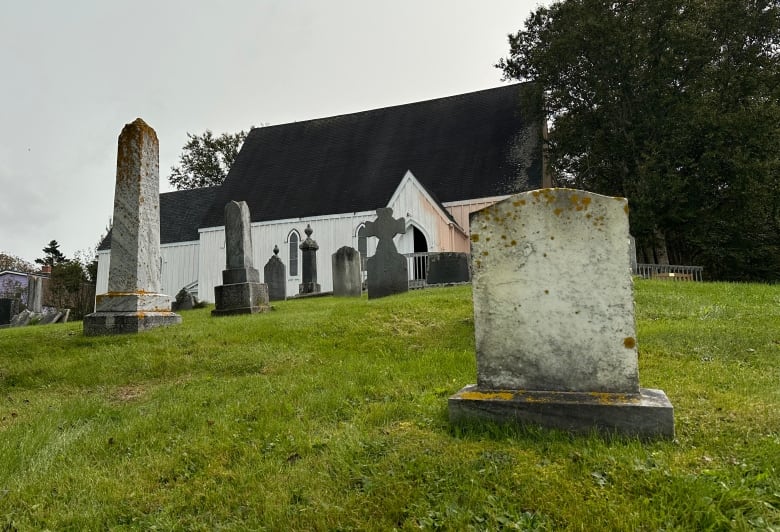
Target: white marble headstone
x=553 y=294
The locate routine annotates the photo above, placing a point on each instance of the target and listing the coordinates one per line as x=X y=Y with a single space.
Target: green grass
x=331 y=414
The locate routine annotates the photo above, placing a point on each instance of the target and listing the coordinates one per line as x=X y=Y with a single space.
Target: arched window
x=362 y=246
x=294 y=240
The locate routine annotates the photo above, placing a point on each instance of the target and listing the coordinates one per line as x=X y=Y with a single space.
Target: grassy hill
x=331 y=414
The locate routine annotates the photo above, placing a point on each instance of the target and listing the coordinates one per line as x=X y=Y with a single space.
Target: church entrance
x=419 y=262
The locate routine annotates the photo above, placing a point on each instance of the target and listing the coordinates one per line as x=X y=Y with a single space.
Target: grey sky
x=73 y=73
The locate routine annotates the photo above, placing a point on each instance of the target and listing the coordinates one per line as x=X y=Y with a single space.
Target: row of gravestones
x=12 y=315
x=552 y=293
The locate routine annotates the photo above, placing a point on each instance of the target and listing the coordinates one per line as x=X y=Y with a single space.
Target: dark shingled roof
x=181 y=213
x=468 y=146
x=473 y=145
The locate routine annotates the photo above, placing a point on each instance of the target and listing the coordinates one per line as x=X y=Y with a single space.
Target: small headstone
x=241 y=291
x=275 y=276
x=387 y=270
x=554 y=318
x=49 y=315
x=35 y=293
x=448 y=267
x=309 y=249
x=133 y=302
x=184 y=301
x=9 y=307
x=347 y=278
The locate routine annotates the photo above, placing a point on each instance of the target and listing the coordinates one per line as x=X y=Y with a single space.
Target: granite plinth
x=240 y=298
x=132 y=302
x=106 y=323
x=646 y=415
x=240 y=275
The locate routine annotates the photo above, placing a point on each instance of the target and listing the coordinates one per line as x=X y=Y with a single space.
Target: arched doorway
x=419 y=262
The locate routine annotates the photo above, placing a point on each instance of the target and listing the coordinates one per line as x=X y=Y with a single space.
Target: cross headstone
x=241 y=291
x=347 y=278
x=554 y=318
x=133 y=302
x=387 y=269
x=275 y=276
x=309 y=249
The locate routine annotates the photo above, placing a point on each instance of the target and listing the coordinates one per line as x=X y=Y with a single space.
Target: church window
x=294 y=240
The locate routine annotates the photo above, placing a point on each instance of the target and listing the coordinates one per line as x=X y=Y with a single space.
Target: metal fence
x=672 y=272
x=417 y=266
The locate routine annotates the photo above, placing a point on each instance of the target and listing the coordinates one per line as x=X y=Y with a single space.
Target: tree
x=12 y=263
x=206 y=159
x=53 y=255
x=674 y=104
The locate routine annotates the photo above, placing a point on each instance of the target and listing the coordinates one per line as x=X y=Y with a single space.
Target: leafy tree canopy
x=206 y=159
x=674 y=104
x=12 y=263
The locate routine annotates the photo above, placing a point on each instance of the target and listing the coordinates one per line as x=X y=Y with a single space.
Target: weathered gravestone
x=387 y=270
x=448 y=267
x=35 y=293
x=309 y=249
x=554 y=318
x=133 y=302
x=275 y=276
x=184 y=301
x=9 y=307
x=241 y=291
x=347 y=279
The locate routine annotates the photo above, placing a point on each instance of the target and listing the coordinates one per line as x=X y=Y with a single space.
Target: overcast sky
x=73 y=73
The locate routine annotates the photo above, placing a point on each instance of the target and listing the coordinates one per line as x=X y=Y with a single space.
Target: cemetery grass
x=329 y=414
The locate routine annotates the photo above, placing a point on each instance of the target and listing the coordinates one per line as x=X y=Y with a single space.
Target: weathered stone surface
x=240 y=298
x=133 y=302
x=553 y=294
x=448 y=267
x=309 y=249
x=35 y=293
x=107 y=323
x=347 y=278
x=275 y=276
x=646 y=415
x=554 y=317
x=242 y=291
x=387 y=270
x=238 y=241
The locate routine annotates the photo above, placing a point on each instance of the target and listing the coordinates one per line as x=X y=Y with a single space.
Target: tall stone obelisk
x=133 y=302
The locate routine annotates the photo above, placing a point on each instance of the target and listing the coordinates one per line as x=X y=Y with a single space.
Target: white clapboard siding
x=179 y=267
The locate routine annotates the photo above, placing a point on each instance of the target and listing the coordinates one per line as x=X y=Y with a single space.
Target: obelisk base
x=106 y=323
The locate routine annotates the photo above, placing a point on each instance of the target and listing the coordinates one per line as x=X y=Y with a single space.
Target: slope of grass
x=331 y=414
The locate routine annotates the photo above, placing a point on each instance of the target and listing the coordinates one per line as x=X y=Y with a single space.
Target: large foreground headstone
x=554 y=318
x=347 y=278
x=387 y=270
x=275 y=277
x=133 y=302
x=241 y=291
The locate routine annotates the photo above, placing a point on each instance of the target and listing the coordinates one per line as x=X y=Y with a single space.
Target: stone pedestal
x=554 y=318
x=309 y=249
x=241 y=291
x=133 y=302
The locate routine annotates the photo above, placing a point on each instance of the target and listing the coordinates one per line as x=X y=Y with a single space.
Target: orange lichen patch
x=513 y=242
x=485 y=253
x=518 y=203
x=487 y=396
x=629 y=342
x=586 y=201
x=546 y=291
x=625 y=208
x=558 y=211
x=503 y=237
x=474 y=237
x=613 y=398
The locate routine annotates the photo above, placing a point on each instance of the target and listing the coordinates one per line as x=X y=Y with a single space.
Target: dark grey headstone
x=184 y=301
x=309 y=249
x=275 y=276
x=387 y=270
x=448 y=268
x=241 y=291
x=347 y=279
x=8 y=309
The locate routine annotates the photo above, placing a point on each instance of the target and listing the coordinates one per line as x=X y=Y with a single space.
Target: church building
x=432 y=162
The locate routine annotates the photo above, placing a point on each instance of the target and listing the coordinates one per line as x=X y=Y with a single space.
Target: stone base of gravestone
x=448 y=268
x=240 y=298
x=387 y=275
x=347 y=280
x=129 y=312
x=647 y=415
x=106 y=323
